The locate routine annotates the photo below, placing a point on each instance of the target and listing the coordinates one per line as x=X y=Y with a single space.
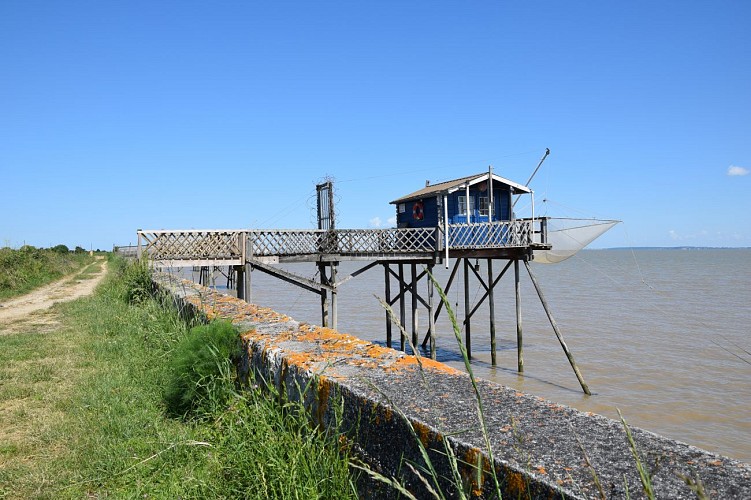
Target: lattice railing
x=204 y=245
x=192 y=244
x=342 y=241
x=506 y=234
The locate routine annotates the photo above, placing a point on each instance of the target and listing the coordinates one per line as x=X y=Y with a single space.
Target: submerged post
x=324 y=296
x=334 y=304
x=467 y=337
x=491 y=305
x=239 y=281
x=414 y=304
x=402 y=305
x=557 y=331
x=431 y=318
x=519 y=343
x=387 y=293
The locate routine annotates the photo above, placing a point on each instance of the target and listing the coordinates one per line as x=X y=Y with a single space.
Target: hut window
x=402 y=208
x=483 y=205
x=463 y=204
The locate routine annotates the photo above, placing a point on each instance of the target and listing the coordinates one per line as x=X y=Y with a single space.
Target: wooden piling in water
x=491 y=305
x=402 y=307
x=519 y=342
x=467 y=315
x=558 y=333
x=387 y=293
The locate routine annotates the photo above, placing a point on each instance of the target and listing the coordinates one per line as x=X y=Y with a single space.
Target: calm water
x=661 y=334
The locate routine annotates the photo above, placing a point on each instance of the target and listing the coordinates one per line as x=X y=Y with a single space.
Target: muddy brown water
x=661 y=334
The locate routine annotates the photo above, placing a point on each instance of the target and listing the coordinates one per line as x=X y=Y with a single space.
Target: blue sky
x=116 y=116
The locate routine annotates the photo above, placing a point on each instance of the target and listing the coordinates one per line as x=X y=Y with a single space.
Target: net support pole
x=557 y=331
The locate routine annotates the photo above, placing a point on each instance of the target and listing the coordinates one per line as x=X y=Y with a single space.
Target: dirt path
x=31 y=309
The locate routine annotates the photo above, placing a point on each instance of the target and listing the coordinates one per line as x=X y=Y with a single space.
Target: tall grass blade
x=644 y=477
x=468 y=367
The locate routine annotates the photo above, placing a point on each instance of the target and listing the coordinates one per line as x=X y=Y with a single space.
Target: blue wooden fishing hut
x=479 y=198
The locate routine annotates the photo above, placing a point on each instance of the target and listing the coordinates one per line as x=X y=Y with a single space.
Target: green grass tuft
x=201 y=370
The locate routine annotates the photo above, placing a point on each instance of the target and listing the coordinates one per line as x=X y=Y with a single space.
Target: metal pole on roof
x=547 y=152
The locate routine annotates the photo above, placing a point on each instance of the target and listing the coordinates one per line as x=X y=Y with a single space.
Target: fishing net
x=568 y=236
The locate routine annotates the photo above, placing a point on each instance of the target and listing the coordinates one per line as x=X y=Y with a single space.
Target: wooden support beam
x=467 y=323
x=491 y=305
x=431 y=318
x=440 y=304
x=334 y=301
x=324 y=297
x=485 y=295
x=414 y=304
x=402 y=305
x=519 y=342
x=358 y=272
x=558 y=333
x=240 y=281
x=292 y=278
x=387 y=293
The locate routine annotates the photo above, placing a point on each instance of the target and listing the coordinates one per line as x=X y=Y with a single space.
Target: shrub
x=202 y=371
x=136 y=280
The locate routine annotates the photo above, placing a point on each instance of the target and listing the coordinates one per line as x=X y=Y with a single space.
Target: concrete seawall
x=386 y=403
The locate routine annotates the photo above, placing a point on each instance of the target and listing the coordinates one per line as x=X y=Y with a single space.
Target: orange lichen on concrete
x=515 y=483
x=324 y=390
x=331 y=346
x=470 y=473
x=411 y=363
x=423 y=432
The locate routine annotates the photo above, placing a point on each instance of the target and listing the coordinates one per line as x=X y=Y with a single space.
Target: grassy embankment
x=83 y=413
x=27 y=268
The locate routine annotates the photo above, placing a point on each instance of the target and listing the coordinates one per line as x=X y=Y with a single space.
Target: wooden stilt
x=324 y=296
x=248 y=287
x=440 y=304
x=431 y=318
x=387 y=293
x=519 y=342
x=414 y=305
x=402 y=306
x=240 y=281
x=334 y=302
x=491 y=305
x=557 y=331
x=467 y=321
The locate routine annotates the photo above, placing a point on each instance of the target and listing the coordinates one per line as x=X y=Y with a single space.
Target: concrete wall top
x=384 y=401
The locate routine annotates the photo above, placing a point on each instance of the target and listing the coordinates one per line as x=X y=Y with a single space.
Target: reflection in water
x=660 y=334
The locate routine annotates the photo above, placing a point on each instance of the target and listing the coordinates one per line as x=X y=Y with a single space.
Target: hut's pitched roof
x=454 y=185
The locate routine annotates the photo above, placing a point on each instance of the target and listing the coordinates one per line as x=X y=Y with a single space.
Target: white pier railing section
x=484 y=235
x=342 y=241
x=234 y=247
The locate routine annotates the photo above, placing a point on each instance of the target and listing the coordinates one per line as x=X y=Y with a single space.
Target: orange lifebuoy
x=417 y=211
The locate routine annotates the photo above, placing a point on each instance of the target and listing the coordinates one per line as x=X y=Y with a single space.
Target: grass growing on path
x=82 y=414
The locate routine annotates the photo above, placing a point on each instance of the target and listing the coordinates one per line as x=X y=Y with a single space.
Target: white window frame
x=463 y=204
x=486 y=200
x=402 y=208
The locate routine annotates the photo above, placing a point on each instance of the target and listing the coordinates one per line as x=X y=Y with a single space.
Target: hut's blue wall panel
x=432 y=213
